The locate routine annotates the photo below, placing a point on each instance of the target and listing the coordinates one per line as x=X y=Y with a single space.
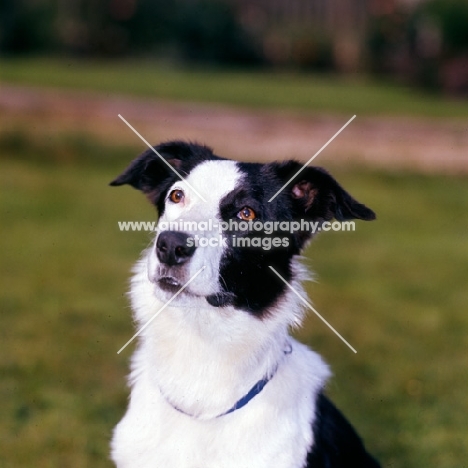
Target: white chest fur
x=204 y=360
x=273 y=430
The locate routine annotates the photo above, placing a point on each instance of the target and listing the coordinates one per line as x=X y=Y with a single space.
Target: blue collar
x=252 y=393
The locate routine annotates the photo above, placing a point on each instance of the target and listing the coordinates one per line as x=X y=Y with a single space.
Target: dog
x=216 y=380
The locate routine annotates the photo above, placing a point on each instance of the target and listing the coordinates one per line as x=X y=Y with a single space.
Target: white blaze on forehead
x=214 y=180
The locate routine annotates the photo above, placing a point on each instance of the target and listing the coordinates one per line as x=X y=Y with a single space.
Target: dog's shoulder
x=336 y=443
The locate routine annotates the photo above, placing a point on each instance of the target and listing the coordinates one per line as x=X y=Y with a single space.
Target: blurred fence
x=416 y=41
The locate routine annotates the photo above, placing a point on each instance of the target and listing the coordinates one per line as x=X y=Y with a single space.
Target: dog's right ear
x=153 y=172
x=149 y=174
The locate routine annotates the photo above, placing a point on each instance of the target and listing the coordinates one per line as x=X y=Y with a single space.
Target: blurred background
x=256 y=80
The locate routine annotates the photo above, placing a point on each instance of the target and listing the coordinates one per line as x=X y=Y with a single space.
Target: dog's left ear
x=317 y=196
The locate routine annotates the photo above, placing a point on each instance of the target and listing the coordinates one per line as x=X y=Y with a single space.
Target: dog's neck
x=204 y=359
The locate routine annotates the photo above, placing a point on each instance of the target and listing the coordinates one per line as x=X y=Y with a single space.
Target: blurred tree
x=26 y=26
x=196 y=31
x=210 y=31
x=451 y=17
x=386 y=39
x=149 y=24
x=427 y=46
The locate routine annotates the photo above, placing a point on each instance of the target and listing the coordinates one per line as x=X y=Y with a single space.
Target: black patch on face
x=314 y=195
x=248 y=281
x=245 y=273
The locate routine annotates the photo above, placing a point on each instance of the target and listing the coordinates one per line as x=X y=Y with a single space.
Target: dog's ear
x=153 y=172
x=317 y=196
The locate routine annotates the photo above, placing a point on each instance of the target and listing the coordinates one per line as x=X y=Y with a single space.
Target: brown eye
x=247 y=214
x=176 y=196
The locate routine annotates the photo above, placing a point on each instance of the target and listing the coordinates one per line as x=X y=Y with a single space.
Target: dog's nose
x=172 y=248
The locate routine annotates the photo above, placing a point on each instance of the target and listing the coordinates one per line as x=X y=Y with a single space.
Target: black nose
x=172 y=248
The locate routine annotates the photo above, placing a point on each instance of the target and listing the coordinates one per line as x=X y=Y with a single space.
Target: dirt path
x=427 y=145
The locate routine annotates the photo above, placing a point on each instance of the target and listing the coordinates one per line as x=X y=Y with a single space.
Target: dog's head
x=218 y=229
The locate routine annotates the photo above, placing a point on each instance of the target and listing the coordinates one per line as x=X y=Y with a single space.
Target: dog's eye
x=247 y=214
x=176 y=196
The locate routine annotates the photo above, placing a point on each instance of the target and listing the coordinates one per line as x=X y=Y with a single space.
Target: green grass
x=395 y=288
x=304 y=92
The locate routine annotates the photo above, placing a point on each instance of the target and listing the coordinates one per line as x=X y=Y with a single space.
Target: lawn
x=395 y=288
x=304 y=92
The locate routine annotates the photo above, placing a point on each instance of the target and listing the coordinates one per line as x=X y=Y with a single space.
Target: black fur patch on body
x=336 y=444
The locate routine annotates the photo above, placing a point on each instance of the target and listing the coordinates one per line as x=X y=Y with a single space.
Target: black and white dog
x=216 y=380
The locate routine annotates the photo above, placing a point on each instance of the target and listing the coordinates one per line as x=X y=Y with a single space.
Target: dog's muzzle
x=173 y=252
x=172 y=248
